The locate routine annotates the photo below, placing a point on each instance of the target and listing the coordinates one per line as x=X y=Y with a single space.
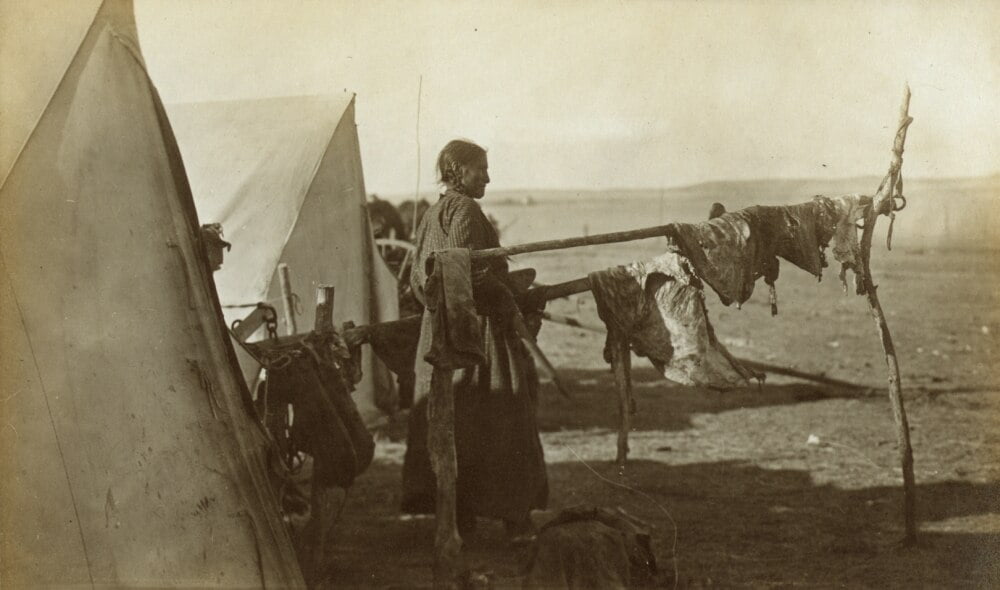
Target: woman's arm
x=468 y=227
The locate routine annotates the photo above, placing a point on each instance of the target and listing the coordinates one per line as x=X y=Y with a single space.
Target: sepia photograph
x=537 y=294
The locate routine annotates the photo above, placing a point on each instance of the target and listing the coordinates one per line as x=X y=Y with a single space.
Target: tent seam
x=48 y=408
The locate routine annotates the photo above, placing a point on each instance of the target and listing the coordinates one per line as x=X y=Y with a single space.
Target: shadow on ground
x=664 y=406
x=661 y=405
x=737 y=525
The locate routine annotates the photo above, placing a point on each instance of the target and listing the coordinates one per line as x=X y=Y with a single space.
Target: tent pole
x=416 y=193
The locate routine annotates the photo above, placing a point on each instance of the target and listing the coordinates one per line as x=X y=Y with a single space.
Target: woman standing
x=501 y=470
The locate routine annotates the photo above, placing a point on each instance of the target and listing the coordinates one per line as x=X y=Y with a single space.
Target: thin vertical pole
x=416 y=192
x=287 y=298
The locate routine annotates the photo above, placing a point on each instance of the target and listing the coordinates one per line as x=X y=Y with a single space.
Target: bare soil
x=736 y=492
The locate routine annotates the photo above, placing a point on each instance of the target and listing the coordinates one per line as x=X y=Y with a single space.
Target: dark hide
x=586 y=547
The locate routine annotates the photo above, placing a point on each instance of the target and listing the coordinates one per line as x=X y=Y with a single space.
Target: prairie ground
x=793 y=484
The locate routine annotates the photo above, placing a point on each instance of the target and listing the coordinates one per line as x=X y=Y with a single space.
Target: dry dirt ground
x=736 y=493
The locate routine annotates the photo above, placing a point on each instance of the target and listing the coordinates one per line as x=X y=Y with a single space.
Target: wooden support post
x=250 y=324
x=882 y=203
x=550 y=292
x=444 y=460
x=287 y=298
x=324 y=308
x=529 y=341
x=405 y=264
x=573 y=322
x=550 y=370
x=621 y=364
x=325 y=502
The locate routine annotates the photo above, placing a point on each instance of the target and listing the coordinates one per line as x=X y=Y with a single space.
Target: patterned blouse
x=456 y=221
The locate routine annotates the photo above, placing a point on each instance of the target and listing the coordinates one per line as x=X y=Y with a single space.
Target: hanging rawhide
x=669 y=324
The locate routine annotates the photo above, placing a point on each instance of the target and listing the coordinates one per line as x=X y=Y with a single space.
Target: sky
x=595 y=95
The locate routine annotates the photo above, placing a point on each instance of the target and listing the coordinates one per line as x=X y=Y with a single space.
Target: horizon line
x=391 y=195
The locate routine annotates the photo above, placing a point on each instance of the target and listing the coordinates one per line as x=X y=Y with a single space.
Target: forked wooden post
x=883 y=203
x=441 y=407
x=287 y=298
x=324 y=501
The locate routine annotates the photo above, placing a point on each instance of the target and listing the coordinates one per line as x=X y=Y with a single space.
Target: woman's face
x=475 y=177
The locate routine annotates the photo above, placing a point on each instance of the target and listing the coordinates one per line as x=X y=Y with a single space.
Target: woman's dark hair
x=455 y=156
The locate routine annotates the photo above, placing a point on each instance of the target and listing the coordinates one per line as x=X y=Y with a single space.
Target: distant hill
x=761 y=191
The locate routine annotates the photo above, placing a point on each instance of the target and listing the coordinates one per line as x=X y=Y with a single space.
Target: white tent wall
x=250 y=164
x=127 y=453
x=284 y=178
x=332 y=244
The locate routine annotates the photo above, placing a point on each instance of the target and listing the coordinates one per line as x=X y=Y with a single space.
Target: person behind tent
x=501 y=469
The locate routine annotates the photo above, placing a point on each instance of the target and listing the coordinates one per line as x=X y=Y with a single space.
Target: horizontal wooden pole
x=757 y=366
x=352 y=336
x=359 y=335
x=609 y=238
x=395 y=243
x=777 y=370
x=550 y=292
x=573 y=322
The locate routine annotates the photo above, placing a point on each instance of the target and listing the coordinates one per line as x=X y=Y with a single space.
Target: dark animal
x=385 y=220
x=405 y=210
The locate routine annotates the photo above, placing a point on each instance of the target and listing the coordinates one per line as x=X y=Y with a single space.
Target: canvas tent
x=127 y=453
x=283 y=176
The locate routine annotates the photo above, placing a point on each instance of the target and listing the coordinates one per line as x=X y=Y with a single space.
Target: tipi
x=283 y=176
x=127 y=453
